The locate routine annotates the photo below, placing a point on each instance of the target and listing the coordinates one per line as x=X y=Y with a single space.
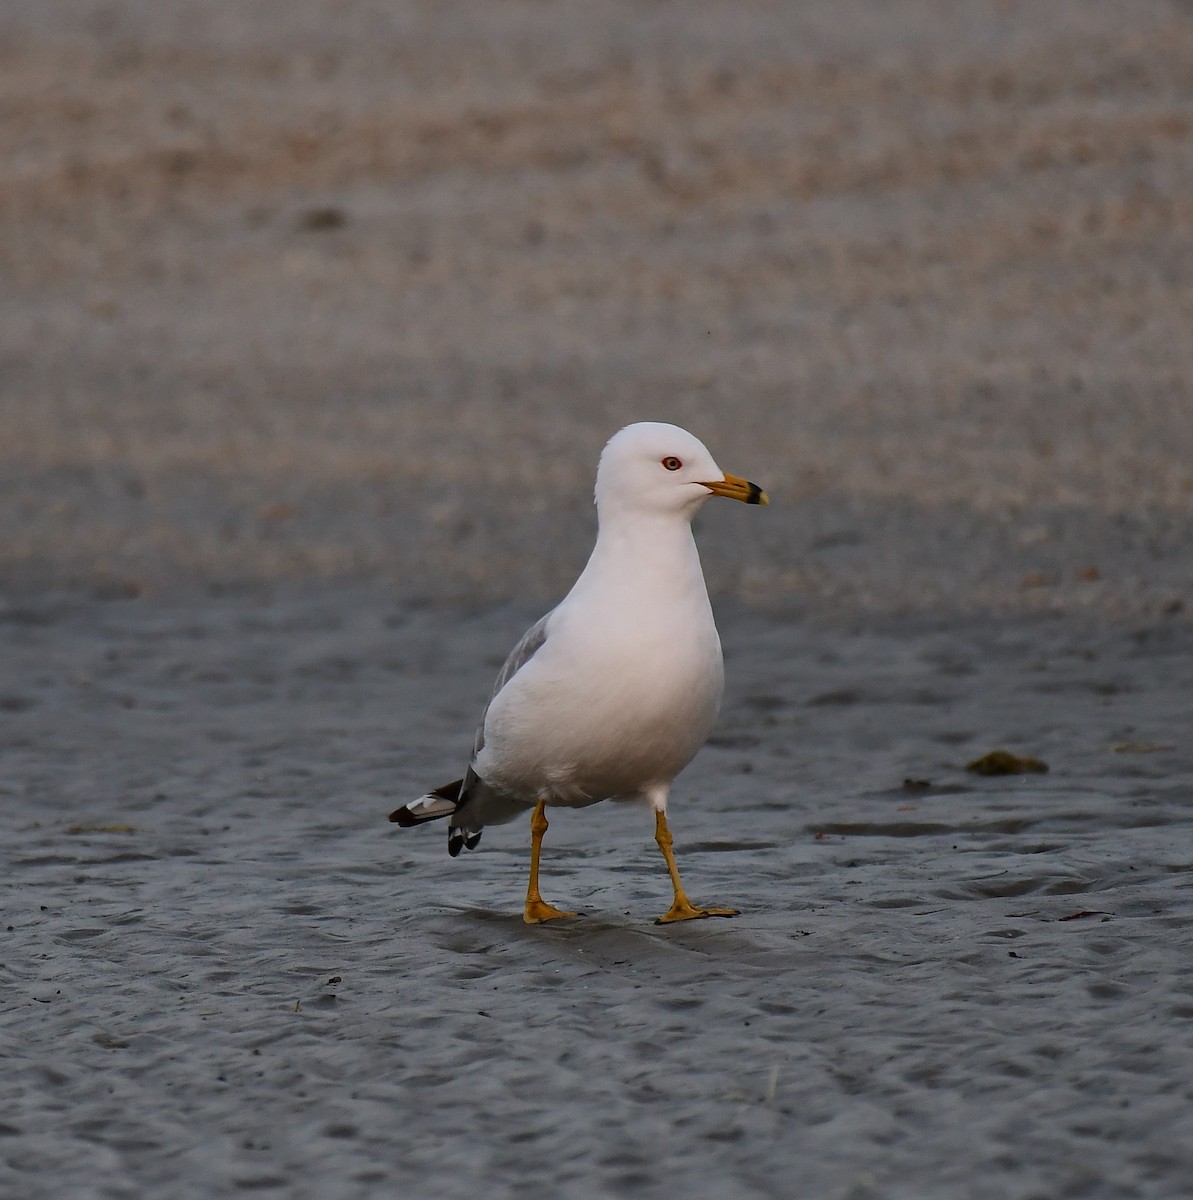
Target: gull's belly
x=560 y=733
x=643 y=740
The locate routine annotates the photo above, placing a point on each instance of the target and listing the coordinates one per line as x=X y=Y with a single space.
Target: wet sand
x=311 y=328
x=224 y=971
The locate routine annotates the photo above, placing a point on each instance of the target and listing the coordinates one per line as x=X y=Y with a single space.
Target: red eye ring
x=672 y=463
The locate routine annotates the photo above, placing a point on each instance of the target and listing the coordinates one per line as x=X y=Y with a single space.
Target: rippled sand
x=225 y=971
x=313 y=320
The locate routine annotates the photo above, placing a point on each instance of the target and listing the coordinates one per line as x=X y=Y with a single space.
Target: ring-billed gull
x=611 y=694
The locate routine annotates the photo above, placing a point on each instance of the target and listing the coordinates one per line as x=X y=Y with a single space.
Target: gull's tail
x=443 y=802
x=470 y=802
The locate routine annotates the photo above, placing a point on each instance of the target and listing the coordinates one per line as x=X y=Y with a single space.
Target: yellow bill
x=737 y=489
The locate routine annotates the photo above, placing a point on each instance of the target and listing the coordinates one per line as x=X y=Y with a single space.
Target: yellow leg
x=682 y=909
x=537 y=909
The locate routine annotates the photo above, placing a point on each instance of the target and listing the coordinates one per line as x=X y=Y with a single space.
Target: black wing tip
x=405 y=818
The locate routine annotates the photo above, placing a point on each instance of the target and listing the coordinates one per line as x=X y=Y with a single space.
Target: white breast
x=620 y=697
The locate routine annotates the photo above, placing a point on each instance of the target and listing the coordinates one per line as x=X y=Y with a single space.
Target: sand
x=300 y=293
x=223 y=969
x=313 y=320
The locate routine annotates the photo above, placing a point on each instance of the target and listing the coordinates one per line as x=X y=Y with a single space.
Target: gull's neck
x=636 y=552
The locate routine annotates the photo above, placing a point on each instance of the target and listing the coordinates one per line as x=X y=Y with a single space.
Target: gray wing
x=531 y=643
x=479 y=804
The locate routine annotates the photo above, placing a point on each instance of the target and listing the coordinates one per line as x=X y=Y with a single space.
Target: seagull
x=612 y=693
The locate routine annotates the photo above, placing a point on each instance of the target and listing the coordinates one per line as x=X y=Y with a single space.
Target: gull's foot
x=538 y=911
x=684 y=911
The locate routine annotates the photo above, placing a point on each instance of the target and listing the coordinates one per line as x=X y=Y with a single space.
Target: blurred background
x=356 y=291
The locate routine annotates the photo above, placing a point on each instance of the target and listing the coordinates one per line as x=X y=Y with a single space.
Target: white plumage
x=613 y=692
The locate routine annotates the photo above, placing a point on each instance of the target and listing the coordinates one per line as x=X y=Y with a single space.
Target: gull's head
x=652 y=467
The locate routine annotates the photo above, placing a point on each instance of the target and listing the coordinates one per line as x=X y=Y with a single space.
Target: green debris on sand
x=1003 y=762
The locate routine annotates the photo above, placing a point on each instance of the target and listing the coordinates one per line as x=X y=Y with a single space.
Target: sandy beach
x=225 y=971
x=313 y=321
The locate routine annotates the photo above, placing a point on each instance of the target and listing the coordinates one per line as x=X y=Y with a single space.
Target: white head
x=652 y=467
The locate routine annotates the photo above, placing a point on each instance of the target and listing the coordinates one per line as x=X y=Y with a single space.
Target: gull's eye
x=672 y=463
